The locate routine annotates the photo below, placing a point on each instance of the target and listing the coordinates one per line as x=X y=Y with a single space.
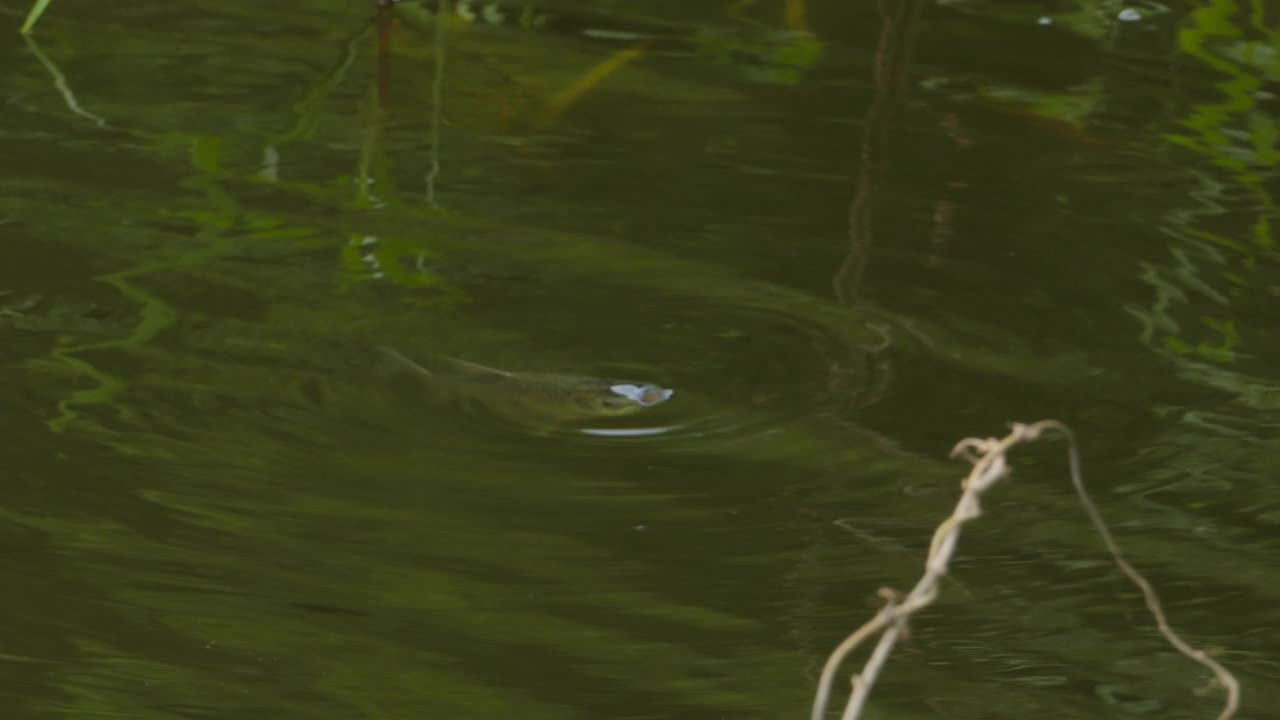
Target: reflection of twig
x=385 y=22
x=60 y=82
x=33 y=16
x=893 y=55
x=308 y=108
x=437 y=98
x=989 y=465
x=369 y=149
x=564 y=99
x=892 y=60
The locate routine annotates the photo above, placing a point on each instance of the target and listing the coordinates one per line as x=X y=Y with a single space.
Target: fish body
x=537 y=398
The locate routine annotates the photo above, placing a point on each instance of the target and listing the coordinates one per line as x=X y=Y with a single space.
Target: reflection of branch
x=385 y=19
x=989 y=465
x=33 y=16
x=893 y=54
x=308 y=108
x=370 y=149
x=437 y=98
x=60 y=82
x=944 y=208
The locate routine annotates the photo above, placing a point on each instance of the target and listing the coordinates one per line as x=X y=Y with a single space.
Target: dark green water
x=847 y=237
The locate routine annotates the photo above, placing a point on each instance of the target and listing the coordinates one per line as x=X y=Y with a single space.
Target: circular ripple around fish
x=743 y=373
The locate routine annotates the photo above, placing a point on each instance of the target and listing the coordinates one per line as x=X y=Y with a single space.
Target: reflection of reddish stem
x=954 y=130
x=1061 y=128
x=944 y=210
x=892 y=61
x=385 y=21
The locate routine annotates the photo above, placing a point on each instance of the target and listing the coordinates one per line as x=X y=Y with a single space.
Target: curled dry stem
x=989 y=465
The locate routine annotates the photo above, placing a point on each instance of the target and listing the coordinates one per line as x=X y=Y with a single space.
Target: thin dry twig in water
x=1224 y=677
x=989 y=465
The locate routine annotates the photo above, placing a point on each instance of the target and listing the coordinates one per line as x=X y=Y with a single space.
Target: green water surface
x=846 y=234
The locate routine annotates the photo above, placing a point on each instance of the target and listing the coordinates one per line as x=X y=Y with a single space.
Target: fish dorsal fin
x=443 y=364
x=469 y=367
x=394 y=360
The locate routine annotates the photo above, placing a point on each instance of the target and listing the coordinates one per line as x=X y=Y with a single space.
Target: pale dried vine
x=989 y=465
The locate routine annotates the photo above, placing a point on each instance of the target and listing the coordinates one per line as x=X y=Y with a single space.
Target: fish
x=532 y=398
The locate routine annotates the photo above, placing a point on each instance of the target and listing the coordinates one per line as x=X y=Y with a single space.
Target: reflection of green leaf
x=60 y=82
x=1222 y=352
x=33 y=16
x=206 y=153
x=154 y=314
x=793 y=61
x=1071 y=107
x=1263 y=133
x=1239 y=139
x=402 y=262
x=1262 y=237
x=778 y=58
x=1263 y=56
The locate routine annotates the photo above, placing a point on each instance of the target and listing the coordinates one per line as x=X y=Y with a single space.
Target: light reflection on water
x=627 y=432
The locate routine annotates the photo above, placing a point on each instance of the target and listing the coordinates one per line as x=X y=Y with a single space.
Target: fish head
x=616 y=398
